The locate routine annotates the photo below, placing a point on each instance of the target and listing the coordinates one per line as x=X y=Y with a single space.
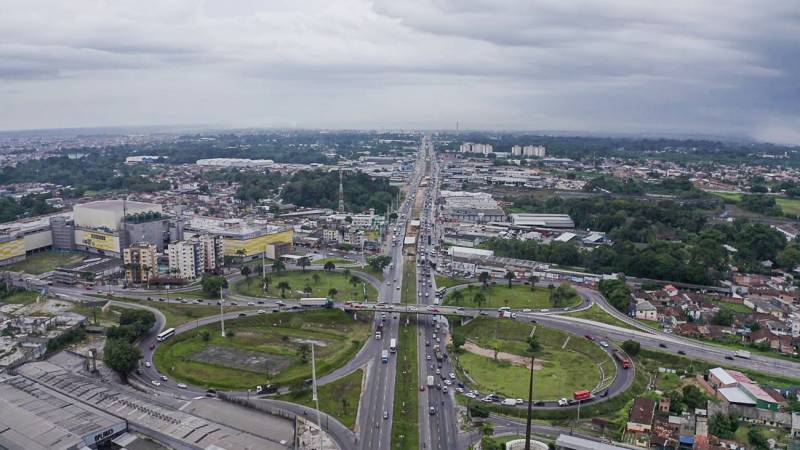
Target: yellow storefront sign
x=98 y=240
x=12 y=249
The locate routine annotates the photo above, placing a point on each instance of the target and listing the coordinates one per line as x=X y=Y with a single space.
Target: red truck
x=582 y=395
x=626 y=363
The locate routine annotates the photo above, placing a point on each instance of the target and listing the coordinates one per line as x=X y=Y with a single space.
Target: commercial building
x=471 y=207
x=17 y=239
x=469 y=147
x=234 y=162
x=242 y=239
x=200 y=253
x=535 y=151
x=542 y=220
x=140 y=261
x=105 y=227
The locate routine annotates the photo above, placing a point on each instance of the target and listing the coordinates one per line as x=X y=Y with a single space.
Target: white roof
x=736 y=395
x=469 y=251
x=565 y=237
x=722 y=375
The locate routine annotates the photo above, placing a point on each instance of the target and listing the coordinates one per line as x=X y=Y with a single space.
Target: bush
x=631 y=347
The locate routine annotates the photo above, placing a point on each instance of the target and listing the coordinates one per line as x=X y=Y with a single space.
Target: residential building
x=140 y=261
x=641 y=415
x=469 y=147
x=191 y=258
x=244 y=239
x=646 y=311
x=536 y=151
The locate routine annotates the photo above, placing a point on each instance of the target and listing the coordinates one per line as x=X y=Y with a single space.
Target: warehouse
x=542 y=220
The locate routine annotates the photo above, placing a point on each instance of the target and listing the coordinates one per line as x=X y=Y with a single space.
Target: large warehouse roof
x=543 y=220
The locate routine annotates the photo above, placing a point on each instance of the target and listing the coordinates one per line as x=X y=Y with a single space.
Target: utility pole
x=221 y=313
x=314 y=395
x=530 y=408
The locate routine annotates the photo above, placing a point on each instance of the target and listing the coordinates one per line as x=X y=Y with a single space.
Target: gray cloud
x=623 y=65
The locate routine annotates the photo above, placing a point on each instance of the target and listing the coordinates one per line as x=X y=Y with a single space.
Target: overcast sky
x=726 y=67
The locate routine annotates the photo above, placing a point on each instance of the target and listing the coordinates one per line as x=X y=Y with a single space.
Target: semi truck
x=623 y=360
x=385 y=356
x=318 y=302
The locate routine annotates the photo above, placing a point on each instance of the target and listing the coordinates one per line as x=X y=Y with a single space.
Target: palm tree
x=278 y=266
x=267 y=281
x=308 y=290
x=479 y=299
x=457 y=297
x=246 y=271
x=484 y=278
x=328 y=266
x=332 y=292
x=355 y=281
x=510 y=277
x=533 y=279
x=315 y=277
x=303 y=263
x=346 y=272
x=283 y=286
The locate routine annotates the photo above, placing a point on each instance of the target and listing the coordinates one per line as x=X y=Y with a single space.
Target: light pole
x=221 y=313
x=530 y=408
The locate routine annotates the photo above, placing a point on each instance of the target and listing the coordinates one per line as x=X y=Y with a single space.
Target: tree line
x=319 y=189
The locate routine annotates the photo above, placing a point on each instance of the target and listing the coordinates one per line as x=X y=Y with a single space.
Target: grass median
x=314 y=283
x=517 y=296
x=405 y=424
x=339 y=398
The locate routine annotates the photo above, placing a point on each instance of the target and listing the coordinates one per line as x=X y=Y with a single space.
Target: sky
x=727 y=68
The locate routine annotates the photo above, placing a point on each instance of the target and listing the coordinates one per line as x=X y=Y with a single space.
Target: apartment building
x=140 y=261
x=200 y=253
x=533 y=151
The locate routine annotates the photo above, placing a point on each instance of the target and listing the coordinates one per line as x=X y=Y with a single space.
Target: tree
x=246 y=271
x=457 y=297
x=379 y=262
x=757 y=439
x=533 y=343
x=205 y=336
x=121 y=356
x=304 y=350
x=478 y=410
x=212 y=285
x=723 y=318
x=267 y=280
x=484 y=278
x=329 y=266
x=308 y=290
x=278 y=266
x=241 y=252
x=315 y=277
x=355 y=281
x=332 y=292
x=510 y=277
x=533 y=279
x=723 y=425
x=346 y=272
x=479 y=299
x=458 y=341
x=303 y=263
x=560 y=295
x=693 y=397
x=284 y=286
x=631 y=347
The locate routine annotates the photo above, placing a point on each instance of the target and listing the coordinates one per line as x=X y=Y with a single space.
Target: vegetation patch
x=405 y=422
x=39 y=263
x=312 y=283
x=339 y=398
x=274 y=348
x=597 y=314
x=517 y=297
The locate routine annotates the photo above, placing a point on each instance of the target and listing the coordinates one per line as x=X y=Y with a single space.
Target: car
x=181 y=385
x=397 y=288
x=448 y=382
x=526 y=310
x=251 y=304
x=152 y=346
x=428 y=357
x=261 y=311
x=470 y=395
x=163 y=378
x=427 y=343
x=729 y=357
x=138 y=371
x=681 y=352
x=604 y=344
x=432 y=411
x=444 y=389
x=563 y=402
x=544 y=310
x=385 y=415
x=147 y=363
x=452 y=376
x=377 y=425
x=662 y=345
x=438 y=372
x=421 y=387
x=484 y=313
x=388 y=283
x=242 y=315
x=155 y=383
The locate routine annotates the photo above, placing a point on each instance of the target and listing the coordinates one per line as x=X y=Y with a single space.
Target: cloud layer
x=695 y=66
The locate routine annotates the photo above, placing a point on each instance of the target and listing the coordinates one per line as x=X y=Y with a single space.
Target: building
x=101 y=227
x=641 y=416
x=568 y=442
x=191 y=258
x=242 y=239
x=363 y=221
x=234 y=162
x=535 y=151
x=140 y=261
x=87 y=270
x=469 y=147
x=646 y=311
x=542 y=220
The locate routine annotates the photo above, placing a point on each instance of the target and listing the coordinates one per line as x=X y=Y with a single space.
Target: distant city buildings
x=534 y=151
x=140 y=261
x=469 y=147
x=191 y=258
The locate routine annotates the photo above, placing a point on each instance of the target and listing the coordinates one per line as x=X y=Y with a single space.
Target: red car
x=589 y=337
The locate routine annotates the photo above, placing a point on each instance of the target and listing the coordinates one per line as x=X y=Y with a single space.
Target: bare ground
x=502 y=356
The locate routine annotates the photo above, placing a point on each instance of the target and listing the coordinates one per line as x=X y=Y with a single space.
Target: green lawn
x=569 y=362
x=446 y=282
x=517 y=297
x=20 y=298
x=789 y=206
x=339 y=398
x=732 y=307
x=179 y=313
x=39 y=263
x=409 y=292
x=278 y=336
x=597 y=314
x=375 y=273
x=298 y=280
x=405 y=422
x=729 y=196
x=106 y=318
x=337 y=261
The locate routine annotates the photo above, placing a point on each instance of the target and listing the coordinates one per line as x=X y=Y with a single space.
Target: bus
x=166 y=334
x=393 y=345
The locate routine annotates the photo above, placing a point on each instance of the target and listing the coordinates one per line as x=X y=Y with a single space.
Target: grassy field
x=789 y=206
x=569 y=362
x=179 y=313
x=298 y=281
x=405 y=422
x=20 y=298
x=39 y=263
x=339 y=398
x=276 y=338
x=106 y=318
x=446 y=282
x=409 y=293
x=729 y=196
x=337 y=261
x=732 y=307
x=375 y=273
x=597 y=314
x=517 y=297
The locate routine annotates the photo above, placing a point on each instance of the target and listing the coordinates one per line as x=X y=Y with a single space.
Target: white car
x=452 y=375
x=155 y=383
x=261 y=311
x=181 y=385
x=544 y=310
x=470 y=395
x=526 y=310
x=448 y=382
x=604 y=344
x=412 y=308
x=147 y=363
x=563 y=402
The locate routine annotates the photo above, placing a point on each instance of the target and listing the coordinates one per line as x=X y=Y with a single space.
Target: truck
x=582 y=395
x=623 y=360
x=430 y=381
x=318 y=302
x=742 y=354
x=266 y=389
x=393 y=345
x=437 y=352
x=385 y=356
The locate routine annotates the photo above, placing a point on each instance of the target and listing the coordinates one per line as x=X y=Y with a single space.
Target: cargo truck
x=393 y=345
x=581 y=395
x=319 y=302
x=623 y=360
x=742 y=354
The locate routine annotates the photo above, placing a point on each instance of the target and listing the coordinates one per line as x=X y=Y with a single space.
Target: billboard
x=12 y=249
x=99 y=240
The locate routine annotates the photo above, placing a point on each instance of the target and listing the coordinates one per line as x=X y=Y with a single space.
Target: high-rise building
x=140 y=262
x=469 y=147
x=533 y=151
x=190 y=258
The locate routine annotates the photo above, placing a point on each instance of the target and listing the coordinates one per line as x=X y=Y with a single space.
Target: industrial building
x=542 y=220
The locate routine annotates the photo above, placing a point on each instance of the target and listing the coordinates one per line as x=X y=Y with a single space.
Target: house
x=646 y=311
x=641 y=415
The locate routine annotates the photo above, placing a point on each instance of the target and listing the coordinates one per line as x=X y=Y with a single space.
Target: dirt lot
x=242 y=359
